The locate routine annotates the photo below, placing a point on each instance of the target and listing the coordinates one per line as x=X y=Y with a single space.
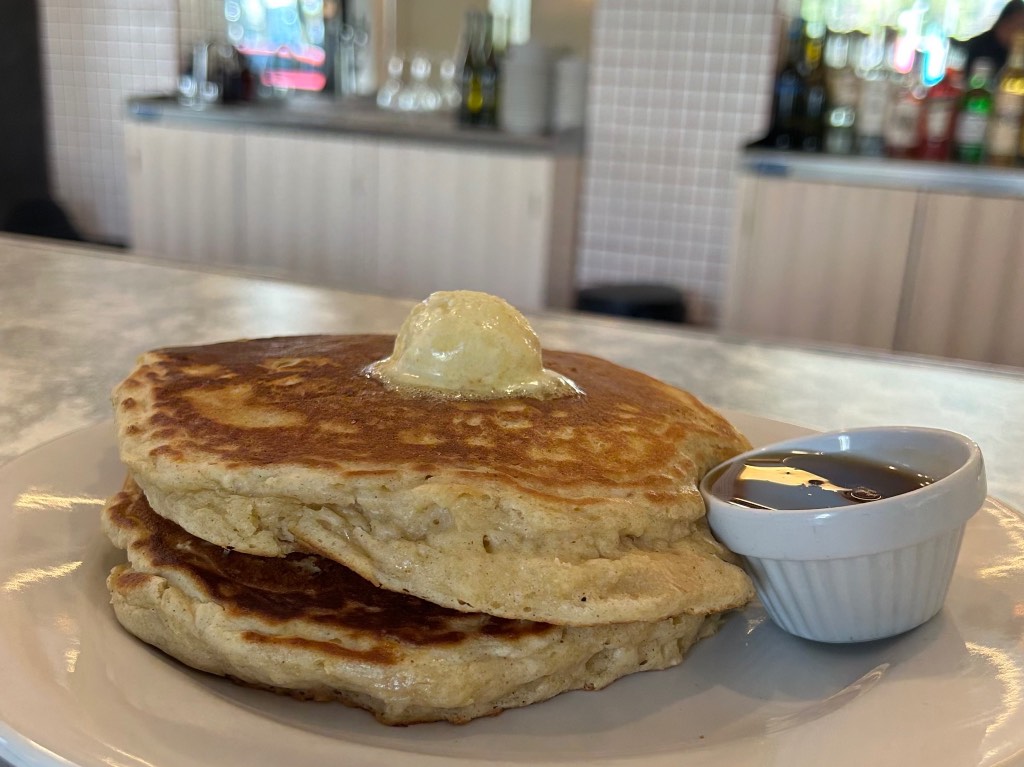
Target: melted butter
x=468 y=345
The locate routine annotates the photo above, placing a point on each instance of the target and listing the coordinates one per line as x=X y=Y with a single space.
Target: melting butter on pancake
x=306 y=626
x=572 y=510
x=469 y=345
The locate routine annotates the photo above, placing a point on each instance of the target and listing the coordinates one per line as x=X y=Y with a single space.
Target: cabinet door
x=820 y=262
x=462 y=219
x=965 y=295
x=310 y=208
x=185 y=192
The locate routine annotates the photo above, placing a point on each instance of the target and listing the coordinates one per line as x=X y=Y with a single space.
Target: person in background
x=995 y=43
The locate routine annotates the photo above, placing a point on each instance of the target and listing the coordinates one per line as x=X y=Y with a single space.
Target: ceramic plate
x=75 y=688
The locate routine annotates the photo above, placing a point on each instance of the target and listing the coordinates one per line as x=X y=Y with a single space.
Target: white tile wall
x=96 y=53
x=676 y=88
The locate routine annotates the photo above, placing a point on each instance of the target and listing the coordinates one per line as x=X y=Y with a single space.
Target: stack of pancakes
x=294 y=524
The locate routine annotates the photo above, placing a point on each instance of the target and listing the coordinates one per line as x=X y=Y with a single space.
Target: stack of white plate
x=525 y=89
x=569 y=96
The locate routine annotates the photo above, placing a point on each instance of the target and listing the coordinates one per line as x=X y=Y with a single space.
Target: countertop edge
x=356 y=118
x=920 y=175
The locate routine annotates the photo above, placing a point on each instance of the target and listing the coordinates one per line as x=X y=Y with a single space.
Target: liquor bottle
x=841 y=85
x=873 y=95
x=904 y=113
x=1003 y=138
x=812 y=104
x=471 y=106
x=488 y=70
x=975 y=111
x=785 y=130
x=938 y=119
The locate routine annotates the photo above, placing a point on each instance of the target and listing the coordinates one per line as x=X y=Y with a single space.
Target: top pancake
x=572 y=510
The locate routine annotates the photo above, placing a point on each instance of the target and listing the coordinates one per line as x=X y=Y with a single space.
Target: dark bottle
x=785 y=131
x=812 y=104
x=471 y=106
x=488 y=70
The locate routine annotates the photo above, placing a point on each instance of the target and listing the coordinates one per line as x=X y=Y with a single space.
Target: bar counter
x=72 y=321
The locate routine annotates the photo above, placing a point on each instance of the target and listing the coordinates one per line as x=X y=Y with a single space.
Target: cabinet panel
x=361 y=213
x=184 y=190
x=459 y=219
x=821 y=262
x=310 y=208
x=965 y=287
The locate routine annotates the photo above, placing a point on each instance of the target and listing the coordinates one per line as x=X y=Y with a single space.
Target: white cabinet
x=468 y=219
x=309 y=204
x=896 y=269
x=184 y=187
x=820 y=262
x=358 y=212
x=965 y=295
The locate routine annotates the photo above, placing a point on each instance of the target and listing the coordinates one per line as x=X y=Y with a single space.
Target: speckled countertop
x=72 y=320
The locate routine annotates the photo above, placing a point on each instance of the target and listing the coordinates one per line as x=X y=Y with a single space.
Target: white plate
x=75 y=687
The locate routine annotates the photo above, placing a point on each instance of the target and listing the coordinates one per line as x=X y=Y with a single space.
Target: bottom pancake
x=309 y=627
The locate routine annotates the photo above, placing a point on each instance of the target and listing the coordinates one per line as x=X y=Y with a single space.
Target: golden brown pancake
x=575 y=510
x=307 y=626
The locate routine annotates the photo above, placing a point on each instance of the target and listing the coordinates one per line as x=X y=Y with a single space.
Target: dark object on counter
x=23 y=166
x=798 y=99
x=41 y=218
x=479 y=91
x=994 y=44
x=643 y=301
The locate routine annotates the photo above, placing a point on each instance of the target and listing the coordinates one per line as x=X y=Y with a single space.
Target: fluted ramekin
x=862 y=572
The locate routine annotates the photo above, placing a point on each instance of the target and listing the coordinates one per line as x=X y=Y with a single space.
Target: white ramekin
x=863 y=572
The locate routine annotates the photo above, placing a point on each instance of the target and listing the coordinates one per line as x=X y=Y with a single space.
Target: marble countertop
x=73 y=319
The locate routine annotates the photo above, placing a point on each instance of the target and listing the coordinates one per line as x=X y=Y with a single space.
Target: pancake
x=572 y=510
x=309 y=627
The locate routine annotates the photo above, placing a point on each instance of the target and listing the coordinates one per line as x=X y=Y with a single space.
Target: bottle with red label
x=939 y=111
x=903 y=114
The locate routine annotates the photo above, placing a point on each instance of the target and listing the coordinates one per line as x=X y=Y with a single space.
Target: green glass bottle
x=975 y=111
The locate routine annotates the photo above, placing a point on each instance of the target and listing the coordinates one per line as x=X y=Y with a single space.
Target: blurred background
x=589 y=143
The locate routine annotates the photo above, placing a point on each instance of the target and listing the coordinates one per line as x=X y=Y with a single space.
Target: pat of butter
x=470 y=345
